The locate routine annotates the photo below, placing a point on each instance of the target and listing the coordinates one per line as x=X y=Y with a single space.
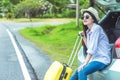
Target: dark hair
x=94 y=18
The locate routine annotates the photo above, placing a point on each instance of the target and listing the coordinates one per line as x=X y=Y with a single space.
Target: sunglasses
x=85 y=17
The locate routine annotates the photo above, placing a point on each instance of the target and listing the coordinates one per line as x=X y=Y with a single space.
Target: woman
x=96 y=41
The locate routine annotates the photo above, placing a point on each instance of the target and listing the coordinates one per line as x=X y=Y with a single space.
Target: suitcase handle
x=74 y=51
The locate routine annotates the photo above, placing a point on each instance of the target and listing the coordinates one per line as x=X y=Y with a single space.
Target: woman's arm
x=88 y=57
x=85 y=41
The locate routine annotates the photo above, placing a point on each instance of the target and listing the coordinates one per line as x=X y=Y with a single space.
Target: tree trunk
x=91 y=3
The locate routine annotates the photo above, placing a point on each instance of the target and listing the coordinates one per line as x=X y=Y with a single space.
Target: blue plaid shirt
x=98 y=44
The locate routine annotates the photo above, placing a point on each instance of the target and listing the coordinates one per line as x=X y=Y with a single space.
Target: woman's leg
x=90 y=68
x=74 y=75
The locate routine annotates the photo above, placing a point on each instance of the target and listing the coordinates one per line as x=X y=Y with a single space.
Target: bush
x=59 y=15
x=9 y=15
x=1 y=16
x=69 y=13
x=47 y=15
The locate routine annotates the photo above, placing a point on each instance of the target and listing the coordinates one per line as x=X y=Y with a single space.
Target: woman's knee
x=82 y=72
x=74 y=75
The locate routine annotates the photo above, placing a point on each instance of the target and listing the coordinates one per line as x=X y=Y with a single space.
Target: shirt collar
x=92 y=29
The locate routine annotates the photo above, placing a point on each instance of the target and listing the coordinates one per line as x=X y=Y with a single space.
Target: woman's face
x=87 y=19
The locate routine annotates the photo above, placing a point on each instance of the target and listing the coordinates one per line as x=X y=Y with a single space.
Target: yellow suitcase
x=59 y=71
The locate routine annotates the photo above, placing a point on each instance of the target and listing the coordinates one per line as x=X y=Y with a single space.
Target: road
x=10 y=68
x=19 y=58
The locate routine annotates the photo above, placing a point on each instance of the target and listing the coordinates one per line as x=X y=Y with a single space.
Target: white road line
x=20 y=58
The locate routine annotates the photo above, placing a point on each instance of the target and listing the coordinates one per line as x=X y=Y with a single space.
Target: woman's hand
x=83 y=37
x=81 y=33
x=88 y=57
x=82 y=66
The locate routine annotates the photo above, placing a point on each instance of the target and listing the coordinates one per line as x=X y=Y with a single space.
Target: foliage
x=30 y=8
x=68 y=13
x=6 y=6
x=14 y=2
x=9 y=15
x=1 y=16
x=84 y=3
x=40 y=8
x=47 y=15
x=58 y=5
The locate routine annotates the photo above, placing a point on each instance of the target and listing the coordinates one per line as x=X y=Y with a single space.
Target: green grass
x=55 y=41
x=36 y=19
x=42 y=19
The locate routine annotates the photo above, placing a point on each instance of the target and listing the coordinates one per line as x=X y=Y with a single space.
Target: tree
x=6 y=7
x=31 y=8
x=58 y=5
x=14 y=2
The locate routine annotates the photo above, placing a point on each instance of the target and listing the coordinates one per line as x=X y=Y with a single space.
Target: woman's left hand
x=82 y=66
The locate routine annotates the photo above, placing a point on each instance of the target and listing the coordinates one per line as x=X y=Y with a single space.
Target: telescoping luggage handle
x=74 y=51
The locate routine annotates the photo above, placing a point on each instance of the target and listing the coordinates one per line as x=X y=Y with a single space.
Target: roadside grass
x=42 y=19
x=55 y=41
x=3 y=19
x=36 y=19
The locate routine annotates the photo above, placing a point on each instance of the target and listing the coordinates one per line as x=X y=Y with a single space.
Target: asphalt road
x=35 y=61
x=9 y=64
